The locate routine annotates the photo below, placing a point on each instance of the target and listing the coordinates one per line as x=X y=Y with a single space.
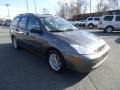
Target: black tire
x=109 y=29
x=62 y=65
x=91 y=26
x=15 y=43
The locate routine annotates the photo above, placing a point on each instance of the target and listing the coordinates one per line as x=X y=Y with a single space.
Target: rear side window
x=108 y=18
x=15 y=21
x=22 y=23
x=117 y=18
x=90 y=19
x=96 y=19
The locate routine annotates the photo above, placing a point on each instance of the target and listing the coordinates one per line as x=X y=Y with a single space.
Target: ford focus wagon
x=64 y=45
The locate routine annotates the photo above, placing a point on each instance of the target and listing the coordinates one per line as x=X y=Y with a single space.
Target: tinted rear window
x=108 y=18
x=15 y=21
x=117 y=18
x=90 y=19
x=96 y=19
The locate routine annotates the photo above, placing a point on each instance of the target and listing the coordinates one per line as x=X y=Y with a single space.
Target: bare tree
x=80 y=5
x=61 y=11
x=113 y=4
x=102 y=6
x=85 y=8
x=72 y=8
x=45 y=11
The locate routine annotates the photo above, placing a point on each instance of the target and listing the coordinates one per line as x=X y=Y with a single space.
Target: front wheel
x=56 y=61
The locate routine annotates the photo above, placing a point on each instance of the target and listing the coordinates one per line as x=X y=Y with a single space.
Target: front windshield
x=55 y=24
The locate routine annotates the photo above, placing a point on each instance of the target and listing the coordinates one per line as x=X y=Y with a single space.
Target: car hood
x=82 y=38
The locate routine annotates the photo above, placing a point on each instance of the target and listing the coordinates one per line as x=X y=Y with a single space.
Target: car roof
x=110 y=15
x=33 y=15
x=93 y=17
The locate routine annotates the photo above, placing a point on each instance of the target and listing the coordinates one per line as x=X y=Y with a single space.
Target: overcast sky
x=19 y=6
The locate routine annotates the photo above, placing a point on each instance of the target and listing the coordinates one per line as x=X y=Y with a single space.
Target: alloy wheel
x=55 y=62
x=109 y=29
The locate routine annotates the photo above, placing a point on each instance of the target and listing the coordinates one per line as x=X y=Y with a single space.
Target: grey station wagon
x=64 y=45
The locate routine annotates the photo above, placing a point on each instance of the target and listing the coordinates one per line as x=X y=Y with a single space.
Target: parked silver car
x=63 y=44
x=109 y=23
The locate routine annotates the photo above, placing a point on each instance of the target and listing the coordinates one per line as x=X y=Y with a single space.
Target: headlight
x=82 y=50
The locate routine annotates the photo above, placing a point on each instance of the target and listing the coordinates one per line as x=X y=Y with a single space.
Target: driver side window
x=33 y=23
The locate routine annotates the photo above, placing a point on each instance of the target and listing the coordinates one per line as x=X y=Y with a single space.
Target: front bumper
x=84 y=63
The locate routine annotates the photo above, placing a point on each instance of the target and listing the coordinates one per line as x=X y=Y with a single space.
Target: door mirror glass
x=34 y=29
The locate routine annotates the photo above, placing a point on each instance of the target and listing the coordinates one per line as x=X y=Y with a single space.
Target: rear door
x=22 y=29
x=14 y=27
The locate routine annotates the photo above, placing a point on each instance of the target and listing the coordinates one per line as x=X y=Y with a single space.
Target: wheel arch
x=110 y=26
x=50 y=49
x=63 y=62
x=90 y=24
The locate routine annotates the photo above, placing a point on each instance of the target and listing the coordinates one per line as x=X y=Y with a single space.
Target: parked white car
x=109 y=23
x=82 y=23
x=92 y=22
x=75 y=23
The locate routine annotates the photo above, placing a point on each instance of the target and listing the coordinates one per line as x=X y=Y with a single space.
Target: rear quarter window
x=96 y=19
x=108 y=18
x=23 y=22
x=15 y=21
x=117 y=18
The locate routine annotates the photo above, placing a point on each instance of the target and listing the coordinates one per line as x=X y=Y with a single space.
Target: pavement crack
x=92 y=82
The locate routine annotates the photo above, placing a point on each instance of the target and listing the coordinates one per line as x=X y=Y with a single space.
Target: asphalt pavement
x=23 y=70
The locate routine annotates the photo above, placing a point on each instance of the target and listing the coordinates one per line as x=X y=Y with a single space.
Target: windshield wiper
x=56 y=31
x=69 y=30
x=61 y=30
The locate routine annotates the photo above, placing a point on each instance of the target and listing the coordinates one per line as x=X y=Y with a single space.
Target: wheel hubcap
x=55 y=62
x=90 y=26
x=109 y=29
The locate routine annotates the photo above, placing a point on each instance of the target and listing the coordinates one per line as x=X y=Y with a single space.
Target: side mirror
x=35 y=29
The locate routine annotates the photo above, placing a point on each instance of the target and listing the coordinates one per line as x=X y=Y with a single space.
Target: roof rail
x=42 y=15
x=26 y=14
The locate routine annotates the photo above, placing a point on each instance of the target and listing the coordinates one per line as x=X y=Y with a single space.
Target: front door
x=35 y=40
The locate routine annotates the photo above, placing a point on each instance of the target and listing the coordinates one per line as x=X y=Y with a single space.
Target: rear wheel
x=109 y=29
x=15 y=43
x=56 y=61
